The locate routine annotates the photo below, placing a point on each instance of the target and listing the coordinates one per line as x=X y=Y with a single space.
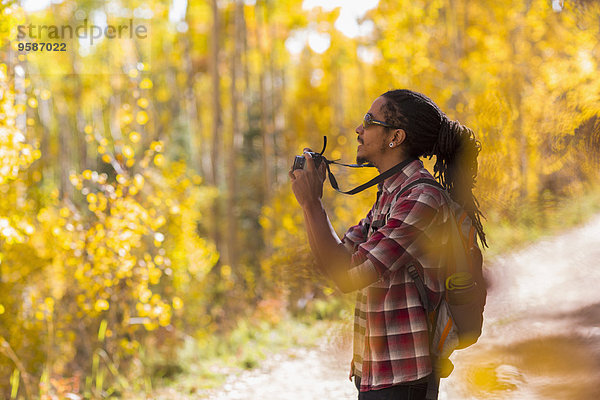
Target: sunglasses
x=368 y=121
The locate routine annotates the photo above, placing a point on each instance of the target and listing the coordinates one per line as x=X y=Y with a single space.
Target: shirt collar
x=398 y=179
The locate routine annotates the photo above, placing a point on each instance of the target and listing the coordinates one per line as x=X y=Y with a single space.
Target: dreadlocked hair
x=430 y=133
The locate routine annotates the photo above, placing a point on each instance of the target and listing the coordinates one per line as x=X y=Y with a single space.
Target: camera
x=300 y=161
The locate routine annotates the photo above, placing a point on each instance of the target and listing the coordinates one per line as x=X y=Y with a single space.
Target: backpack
x=456 y=321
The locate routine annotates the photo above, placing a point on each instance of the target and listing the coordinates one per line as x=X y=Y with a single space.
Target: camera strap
x=379 y=178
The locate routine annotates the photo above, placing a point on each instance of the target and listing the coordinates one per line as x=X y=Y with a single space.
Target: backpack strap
x=412 y=270
x=426 y=181
x=414 y=274
x=433 y=387
x=458 y=245
x=433 y=382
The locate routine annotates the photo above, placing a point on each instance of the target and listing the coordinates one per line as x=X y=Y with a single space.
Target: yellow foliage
x=125 y=247
x=141 y=117
x=146 y=84
x=134 y=137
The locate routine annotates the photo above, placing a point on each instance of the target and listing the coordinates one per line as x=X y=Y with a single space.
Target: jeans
x=412 y=391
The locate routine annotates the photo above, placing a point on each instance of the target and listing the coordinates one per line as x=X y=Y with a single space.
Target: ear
x=399 y=136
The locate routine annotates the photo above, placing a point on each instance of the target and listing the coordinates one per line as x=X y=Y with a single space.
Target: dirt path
x=300 y=374
x=541 y=336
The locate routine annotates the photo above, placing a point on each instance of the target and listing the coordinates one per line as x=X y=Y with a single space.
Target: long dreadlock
x=429 y=132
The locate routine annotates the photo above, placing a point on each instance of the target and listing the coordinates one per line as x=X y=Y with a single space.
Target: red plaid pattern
x=390 y=328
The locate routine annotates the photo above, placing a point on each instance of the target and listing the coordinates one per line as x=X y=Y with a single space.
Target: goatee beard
x=361 y=160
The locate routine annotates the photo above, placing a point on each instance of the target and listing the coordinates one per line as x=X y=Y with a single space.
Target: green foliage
x=206 y=364
x=530 y=223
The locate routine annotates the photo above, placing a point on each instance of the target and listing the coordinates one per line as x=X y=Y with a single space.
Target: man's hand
x=307 y=183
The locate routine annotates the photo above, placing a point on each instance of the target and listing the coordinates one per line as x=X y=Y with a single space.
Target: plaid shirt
x=390 y=328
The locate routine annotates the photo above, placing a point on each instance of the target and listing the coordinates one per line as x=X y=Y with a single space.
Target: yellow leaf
x=150 y=326
x=225 y=271
x=128 y=151
x=154 y=276
x=145 y=295
x=159 y=160
x=138 y=181
x=164 y=319
x=160 y=221
x=177 y=303
x=126 y=118
x=156 y=146
x=143 y=102
x=49 y=301
x=146 y=84
x=141 y=117
x=101 y=305
x=134 y=137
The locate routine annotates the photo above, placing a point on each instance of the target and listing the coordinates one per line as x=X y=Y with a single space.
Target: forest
x=145 y=197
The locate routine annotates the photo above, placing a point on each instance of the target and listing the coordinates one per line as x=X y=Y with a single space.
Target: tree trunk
x=232 y=225
x=217 y=124
x=264 y=107
x=191 y=105
x=64 y=155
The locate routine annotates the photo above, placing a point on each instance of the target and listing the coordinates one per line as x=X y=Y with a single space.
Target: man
x=391 y=346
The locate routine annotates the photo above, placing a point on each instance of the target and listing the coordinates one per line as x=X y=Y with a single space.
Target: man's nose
x=359 y=129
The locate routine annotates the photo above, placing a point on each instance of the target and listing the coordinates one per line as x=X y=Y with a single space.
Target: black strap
x=412 y=270
x=414 y=274
x=433 y=385
x=379 y=178
x=433 y=382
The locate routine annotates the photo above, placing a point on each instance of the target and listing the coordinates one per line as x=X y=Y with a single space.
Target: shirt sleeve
x=399 y=241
